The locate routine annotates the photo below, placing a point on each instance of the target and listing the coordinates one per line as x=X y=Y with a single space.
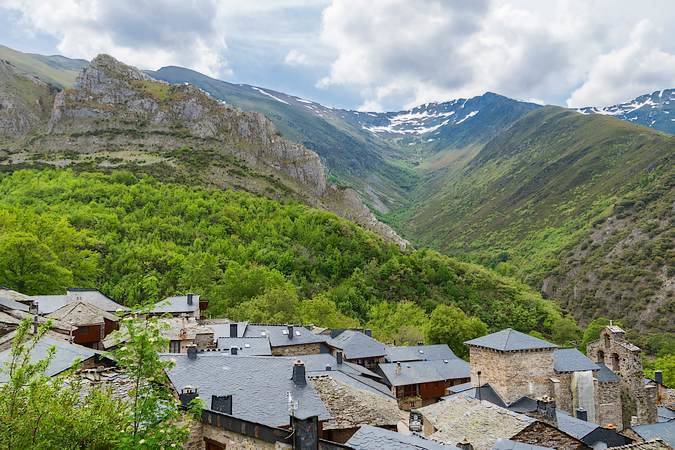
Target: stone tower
x=514 y=364
x=623 y=359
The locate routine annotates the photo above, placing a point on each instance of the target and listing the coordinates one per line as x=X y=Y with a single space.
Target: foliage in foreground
x=251 y=257
x=39 y=411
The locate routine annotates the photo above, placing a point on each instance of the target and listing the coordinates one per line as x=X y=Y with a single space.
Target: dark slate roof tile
x=8 y=303
x=279 y=336
x=605 y=374
x=356 y=344
x=258 y=385
x=510 y=340
x=574 y=427
x=572 y=360
x=177 y=304
x=415 y=372
x=246 y=346
x=374 y=438
x=661 y=430
x=419 y=353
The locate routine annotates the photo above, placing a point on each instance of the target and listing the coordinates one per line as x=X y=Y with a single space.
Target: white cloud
x=296 y=58
x=149 y=34
x=627 y=72
x=401 y=53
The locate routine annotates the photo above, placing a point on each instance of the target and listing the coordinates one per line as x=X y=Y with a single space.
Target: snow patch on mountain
x=268 y=94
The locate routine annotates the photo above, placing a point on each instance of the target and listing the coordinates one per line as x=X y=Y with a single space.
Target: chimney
x=465 y=445
x=33 y=307
x=290 y=331
x=420 y=343
x=233 y=330
x=415 y=421
x=582 y=414
x=192 y=351
x=234 y=351
x=189 y=299
x=328 y=368
x=299 y=373
x=186 y=395
x=368 y=332
x=546 y=409
x=221 y=404
x=35 y=324
x=398 y=368
x=305 y=433
x=658 y=377
x=338 y=357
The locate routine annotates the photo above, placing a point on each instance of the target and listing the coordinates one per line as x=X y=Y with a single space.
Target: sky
x=374 y=55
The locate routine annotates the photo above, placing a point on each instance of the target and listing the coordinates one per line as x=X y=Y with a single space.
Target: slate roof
x=572 y=360
x=416 y=372
x=419 y=353
x=278 y=335
x=373 y=438
x=246 y=346
x=11 y=294
x=654 y=444
x=258 y=385
x=510 y=340
x=460 y=387
x=350 y=405
x=64 y=357
x=481 y=423
x=507 y=444
x=665 y=414
x=82 y=313
x=356 y=344
x=487 y=393
x=574 y=427
x=605 y=374
x=49 y=303
x=8 y=303
x=661 y=430
x=221 y=328
x=357 y=381
x=176 y=304
x=318 y=362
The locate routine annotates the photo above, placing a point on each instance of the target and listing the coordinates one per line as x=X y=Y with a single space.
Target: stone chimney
x=398 y=368
x=35 y=324
x=582 y=414
x=415 y=421
x=186 y=395
x=234 y=329
x=222 y=404
x=420 y=343
x=546 y=410
x=290 y=331
x=368 y=332
x=33 y=307
x=338 y=357
x=299 y=378
x=189 y=299
x=465 y=445
x=234 y=351
x=192 y=351
x=658 y=376
x=328 y=368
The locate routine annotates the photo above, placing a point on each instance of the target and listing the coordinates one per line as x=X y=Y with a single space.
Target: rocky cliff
x=117 y=116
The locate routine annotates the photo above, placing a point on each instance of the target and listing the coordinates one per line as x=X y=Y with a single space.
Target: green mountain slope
x=56 y=70
x=531 y=201
x=137 y=237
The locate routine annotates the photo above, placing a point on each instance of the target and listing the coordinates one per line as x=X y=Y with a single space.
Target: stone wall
x=608 y=403
x=513 y=374
x=545 y=435
x=200 y=433
x=562 y=393
x=301 y=349
x=623 y=358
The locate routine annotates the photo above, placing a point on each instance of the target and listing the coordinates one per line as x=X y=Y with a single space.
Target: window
x=601 y=357
x=213 y=445
x=409 y=390
x=174 y=347
x=615 y=362
x=607 y=343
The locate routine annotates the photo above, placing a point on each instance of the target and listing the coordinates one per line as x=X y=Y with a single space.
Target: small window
x=174 y=347
x=601 y=357
x=615 y=362
x=607 y=343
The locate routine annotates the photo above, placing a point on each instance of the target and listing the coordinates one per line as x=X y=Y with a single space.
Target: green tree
x=664 y=363
x=29 y=266
x=152 y=413
x=39 y=411
x=323 y=312
x=449 y=325
x=402 y=323
x=278 y=305
x=566 y=332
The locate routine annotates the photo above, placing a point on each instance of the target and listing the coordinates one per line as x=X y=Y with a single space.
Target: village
x=283 y=386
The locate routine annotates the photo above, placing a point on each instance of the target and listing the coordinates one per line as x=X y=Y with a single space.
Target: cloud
x=149 y=34
x=627 y=72
x=402 y=53
x=296 y=58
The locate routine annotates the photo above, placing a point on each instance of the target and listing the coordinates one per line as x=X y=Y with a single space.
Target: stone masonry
x=623 y=358
x=301 y=349
x=513 y=374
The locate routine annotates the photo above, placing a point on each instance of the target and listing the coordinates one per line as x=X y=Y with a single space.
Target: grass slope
x=535 y=191
x=56 y=70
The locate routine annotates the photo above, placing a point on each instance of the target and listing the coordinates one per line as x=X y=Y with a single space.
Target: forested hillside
x=252 y=258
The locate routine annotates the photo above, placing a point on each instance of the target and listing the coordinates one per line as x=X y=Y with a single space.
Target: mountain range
x=577 y=203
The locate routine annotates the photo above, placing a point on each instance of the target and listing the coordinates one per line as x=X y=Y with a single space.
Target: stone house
x=638 y=403
x=513 y=363
x=461 y=419
x=357 y=347
x=47 y=304
x=92 y=323
x=288 y=340
x=436 y=352
x=419 y=383
x=188 y=305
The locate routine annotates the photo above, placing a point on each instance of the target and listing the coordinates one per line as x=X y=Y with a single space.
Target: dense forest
x=137 y=238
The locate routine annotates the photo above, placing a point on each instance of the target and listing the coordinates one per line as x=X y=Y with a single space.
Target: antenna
x=292 y=404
